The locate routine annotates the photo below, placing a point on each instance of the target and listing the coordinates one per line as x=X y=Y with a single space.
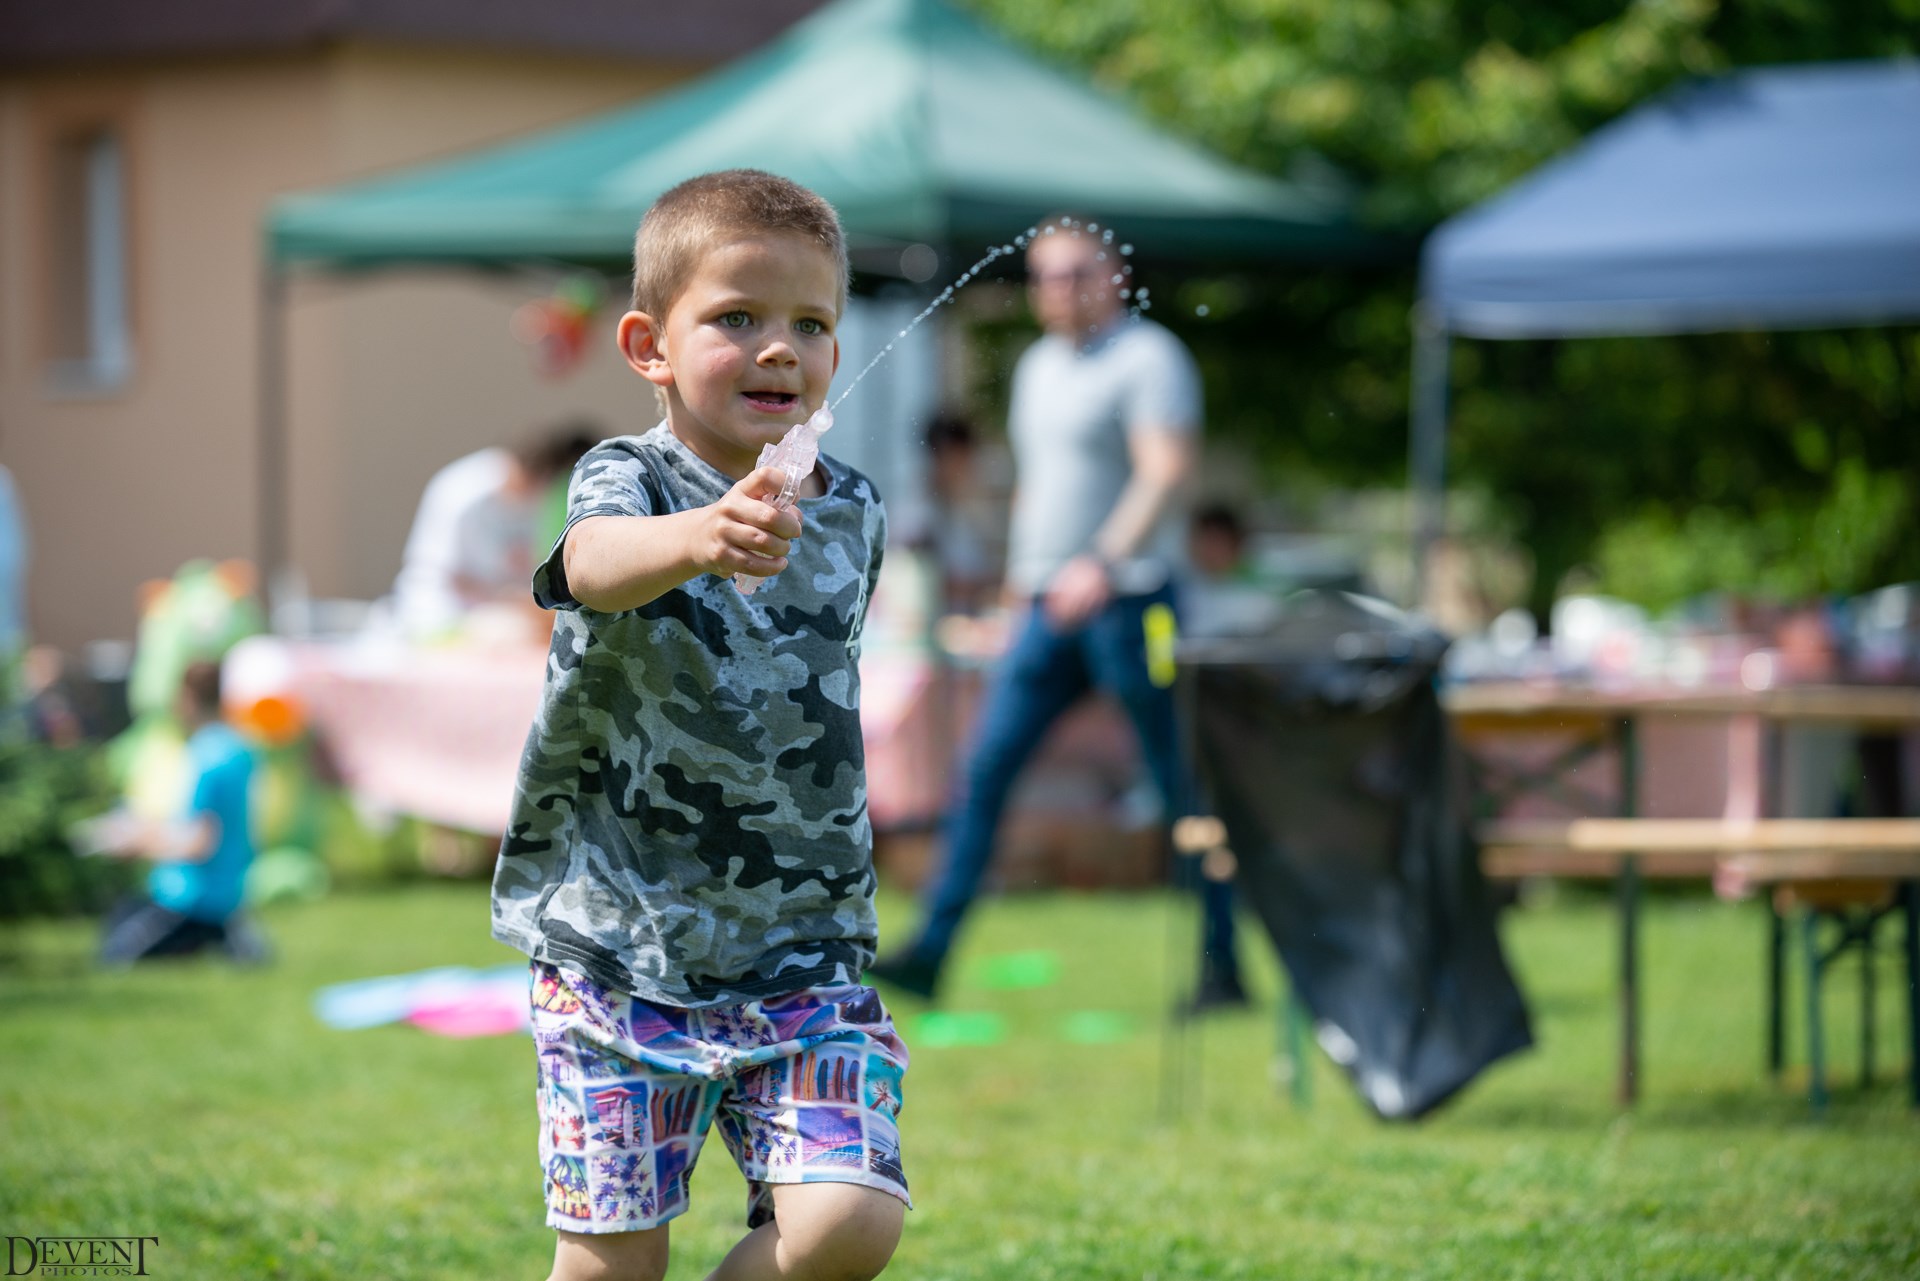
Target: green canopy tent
x=915 y=121
x=921 y=126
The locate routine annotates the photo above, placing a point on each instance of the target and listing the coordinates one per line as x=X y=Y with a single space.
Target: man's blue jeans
x=1045 y=672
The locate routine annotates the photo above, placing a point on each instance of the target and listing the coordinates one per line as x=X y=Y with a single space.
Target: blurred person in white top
x=475 y=536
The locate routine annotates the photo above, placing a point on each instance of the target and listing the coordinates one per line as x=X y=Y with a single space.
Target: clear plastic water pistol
x=794 y=455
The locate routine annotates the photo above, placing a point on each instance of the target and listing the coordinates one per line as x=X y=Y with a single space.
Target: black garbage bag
x=1322 y=747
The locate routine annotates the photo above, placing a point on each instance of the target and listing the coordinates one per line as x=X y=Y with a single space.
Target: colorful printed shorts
x=806 y=1089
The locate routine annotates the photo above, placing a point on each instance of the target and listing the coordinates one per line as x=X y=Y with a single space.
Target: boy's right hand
x=744 y=532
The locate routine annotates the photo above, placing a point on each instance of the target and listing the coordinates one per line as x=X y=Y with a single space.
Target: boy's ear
x=642 y=342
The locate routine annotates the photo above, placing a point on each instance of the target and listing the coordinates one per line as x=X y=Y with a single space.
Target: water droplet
x=1093 y=226
x=1006 y=249
x=1126 y=293
x=1033 y=231
x=1049 y=229
x=1201 y=310
x=1126 y=249
x=1119 y=279
x=1143 y=291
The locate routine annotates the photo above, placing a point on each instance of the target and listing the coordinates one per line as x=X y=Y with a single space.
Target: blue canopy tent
x=1778 y=198
x=1781 y=198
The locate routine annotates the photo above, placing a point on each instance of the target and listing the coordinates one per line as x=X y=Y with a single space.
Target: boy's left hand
x=746 y=532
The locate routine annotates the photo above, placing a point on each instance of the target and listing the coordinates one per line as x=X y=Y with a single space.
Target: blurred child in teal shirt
x=200 y=858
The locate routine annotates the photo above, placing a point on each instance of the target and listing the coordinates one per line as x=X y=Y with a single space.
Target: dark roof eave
x=36 y=35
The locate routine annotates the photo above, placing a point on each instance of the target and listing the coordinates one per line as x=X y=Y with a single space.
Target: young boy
x=689 y=859
x=200 y=858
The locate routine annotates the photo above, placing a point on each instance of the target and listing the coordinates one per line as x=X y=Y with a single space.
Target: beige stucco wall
x=435 y=371
x=388 y=377
x=125 y=484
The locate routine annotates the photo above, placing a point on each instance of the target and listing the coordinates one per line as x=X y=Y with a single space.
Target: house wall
x=388 y=377
x=426 y=365
x=124 y=483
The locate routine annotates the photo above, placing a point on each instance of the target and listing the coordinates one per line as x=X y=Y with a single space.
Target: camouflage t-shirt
x=690 y=824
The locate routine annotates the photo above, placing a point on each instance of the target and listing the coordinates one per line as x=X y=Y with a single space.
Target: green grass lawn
x=210 y=1108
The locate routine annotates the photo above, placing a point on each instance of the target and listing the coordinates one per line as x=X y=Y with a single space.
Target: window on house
x=91 y=342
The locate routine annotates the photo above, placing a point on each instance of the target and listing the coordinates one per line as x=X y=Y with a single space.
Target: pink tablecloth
x=907 y=742
x=437 y=733
x=434 y=733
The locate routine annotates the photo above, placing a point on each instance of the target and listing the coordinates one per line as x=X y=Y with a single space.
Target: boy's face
x=746 y=350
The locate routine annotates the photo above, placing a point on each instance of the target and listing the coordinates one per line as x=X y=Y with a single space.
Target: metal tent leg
x=1293 y=1046
x=1628 y=1088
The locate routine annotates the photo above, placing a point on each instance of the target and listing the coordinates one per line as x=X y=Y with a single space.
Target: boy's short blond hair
x=714 y=208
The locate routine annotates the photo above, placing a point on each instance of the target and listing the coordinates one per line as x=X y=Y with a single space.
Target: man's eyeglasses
x=1066 y=276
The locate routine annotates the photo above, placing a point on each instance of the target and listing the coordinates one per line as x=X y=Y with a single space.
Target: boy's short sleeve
x=609 y=481
x=873 y=562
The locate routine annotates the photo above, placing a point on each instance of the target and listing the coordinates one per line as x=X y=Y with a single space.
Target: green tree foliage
x=43 y=791
x=1790 y=455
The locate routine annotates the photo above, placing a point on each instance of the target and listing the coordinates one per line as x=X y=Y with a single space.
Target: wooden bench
x=1620 y=836
x=1783 y=848
x=1857 y=870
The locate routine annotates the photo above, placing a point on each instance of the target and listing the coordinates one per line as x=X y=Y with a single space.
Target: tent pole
x=271 y=514
x=1427 y=444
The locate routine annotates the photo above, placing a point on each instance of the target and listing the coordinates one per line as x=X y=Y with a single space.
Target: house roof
x=37 y=33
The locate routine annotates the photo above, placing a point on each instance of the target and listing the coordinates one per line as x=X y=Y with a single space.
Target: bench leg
x=1776 y=994
x=1629 y=1085
x=1867 y=998
x=1816 y=1040
x=1910 y=892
